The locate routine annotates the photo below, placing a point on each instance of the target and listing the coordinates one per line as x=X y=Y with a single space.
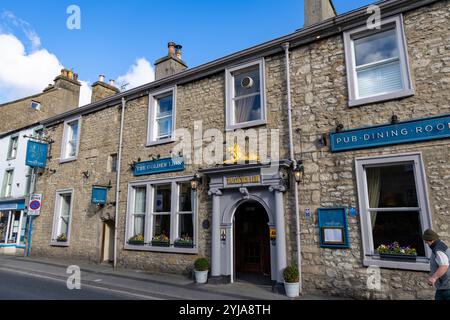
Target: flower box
x=398 y=257
x=156 y=243
x=136 y=242
x=183 y=244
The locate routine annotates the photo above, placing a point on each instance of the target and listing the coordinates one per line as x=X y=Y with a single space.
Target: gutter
x=119 y=166
x=327 y=28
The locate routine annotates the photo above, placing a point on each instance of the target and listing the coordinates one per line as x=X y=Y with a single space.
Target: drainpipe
x=292 y=156
x=119 y=165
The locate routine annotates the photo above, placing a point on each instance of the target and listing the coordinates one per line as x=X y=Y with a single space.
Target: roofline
x=12 y=132
x=26 y=98
x=327 y=28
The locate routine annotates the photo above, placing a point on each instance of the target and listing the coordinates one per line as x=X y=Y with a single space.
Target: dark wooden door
x=252 y=240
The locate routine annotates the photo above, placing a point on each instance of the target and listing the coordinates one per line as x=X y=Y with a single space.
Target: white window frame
x=148 y=229
x=12 y=147
x=152 y=108
x=57 y=215
x=229 y=94
x=5 y=183
x=352 y=78
x=65 y=140
x=370 y=257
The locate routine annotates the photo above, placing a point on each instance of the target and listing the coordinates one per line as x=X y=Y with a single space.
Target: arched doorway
x=252 y=243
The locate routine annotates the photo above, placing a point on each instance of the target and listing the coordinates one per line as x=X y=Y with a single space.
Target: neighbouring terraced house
x=313 y=149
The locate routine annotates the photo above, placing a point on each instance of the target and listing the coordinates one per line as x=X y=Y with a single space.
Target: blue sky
x=114 y=34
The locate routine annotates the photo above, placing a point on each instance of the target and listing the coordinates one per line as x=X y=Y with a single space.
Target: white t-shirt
x=441 y=259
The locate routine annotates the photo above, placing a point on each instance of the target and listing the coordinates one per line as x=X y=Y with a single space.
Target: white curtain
x=139 y=225
x=374 y=187
x=243 y=109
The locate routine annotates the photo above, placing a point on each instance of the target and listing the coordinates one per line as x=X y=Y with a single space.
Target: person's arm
x=443 y=262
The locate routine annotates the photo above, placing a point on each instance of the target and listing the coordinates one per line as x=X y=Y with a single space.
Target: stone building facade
x=156 y=206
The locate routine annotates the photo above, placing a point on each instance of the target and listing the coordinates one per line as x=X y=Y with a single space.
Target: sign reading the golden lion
x=243 y=180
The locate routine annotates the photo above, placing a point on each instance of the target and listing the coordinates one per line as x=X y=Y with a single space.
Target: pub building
x=363 y=159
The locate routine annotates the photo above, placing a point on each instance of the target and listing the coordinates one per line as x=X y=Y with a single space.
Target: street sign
x=34 y=206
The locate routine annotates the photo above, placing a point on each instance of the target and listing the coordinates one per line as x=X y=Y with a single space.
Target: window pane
x=140 y=199
x=64 y=226
x=65 y=204
x=139 y=222
x=3 y=225
x=246 y=87
x=164 y=127
x=401 y=227
x=164 y=106
x=380 y=79
x=74 y=130
x=392 y=186
x=185 y=201
x=162 y=198
x=185 y=226
x=161 y=225
x=248 y=109
x=376 y=47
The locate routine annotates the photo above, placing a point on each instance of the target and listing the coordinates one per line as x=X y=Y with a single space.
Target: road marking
x=145 y=297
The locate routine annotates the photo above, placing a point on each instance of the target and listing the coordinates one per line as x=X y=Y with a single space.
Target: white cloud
x=9 y=19
x=141 y=72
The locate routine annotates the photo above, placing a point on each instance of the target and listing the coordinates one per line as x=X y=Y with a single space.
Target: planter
x=398 y=257
x=160 y=243
x=183 y=244
x=136 y=243
x=292 y=289
x=201 y=276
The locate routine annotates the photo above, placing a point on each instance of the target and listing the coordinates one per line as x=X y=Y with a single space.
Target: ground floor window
x=161 y=214
x=12 y=227
x=62 y=220
x=393 y=202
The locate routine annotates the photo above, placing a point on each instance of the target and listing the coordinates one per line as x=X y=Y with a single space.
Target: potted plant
x=161 y=241
x=396 y=252
x=184 y=242
x=137 y=240
x=291 y=281
x=201 y=266
x=62 y=238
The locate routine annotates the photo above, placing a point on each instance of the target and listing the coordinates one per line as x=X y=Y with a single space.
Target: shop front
x=12 y=226
x=248 y=222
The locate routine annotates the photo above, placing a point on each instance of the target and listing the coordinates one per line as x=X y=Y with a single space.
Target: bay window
x=377 y=63
x=245 y=105
x=161 y=122
x=62 y=219
x=166 y=215
x=69 y=148
x=394 y=206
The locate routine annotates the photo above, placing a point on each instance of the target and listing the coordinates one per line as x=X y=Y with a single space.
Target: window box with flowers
x=396 y=252
x=62 y=238
x=161 y=241
x=137 y=240
x=184 y=242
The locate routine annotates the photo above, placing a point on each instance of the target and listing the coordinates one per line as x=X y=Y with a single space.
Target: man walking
x=440 y=271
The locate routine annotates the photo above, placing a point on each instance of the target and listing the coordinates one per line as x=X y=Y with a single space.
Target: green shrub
x=201 y=264
x=290 y=274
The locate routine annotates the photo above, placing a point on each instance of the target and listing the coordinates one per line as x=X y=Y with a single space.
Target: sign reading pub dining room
x=159 y=166
x=405 y=132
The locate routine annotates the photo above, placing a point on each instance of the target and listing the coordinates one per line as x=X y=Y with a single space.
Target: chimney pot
x=111 y=83
x=171 y=45
x=101 y=78
x=178 y=51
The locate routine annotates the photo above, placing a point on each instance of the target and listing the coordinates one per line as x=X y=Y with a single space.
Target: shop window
x=170 y=220
x=13 y=146
x=7 y=183
x=69 y=149
x=393 y=203
x=63 y=213
x=377 y=63
x=245 y=96
x=161 y=117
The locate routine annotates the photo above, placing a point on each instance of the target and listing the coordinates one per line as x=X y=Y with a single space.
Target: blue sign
x=159 y=166
x=36 y=154
x=12 y=205
x=99 y=195
x=333 y=228
x=405 y=132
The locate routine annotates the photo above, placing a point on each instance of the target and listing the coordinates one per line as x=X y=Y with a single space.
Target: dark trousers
x=442 y=295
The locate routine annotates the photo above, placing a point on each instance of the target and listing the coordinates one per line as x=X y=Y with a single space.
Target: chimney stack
x=170 y=64
x=317 y=11
x=102 y=90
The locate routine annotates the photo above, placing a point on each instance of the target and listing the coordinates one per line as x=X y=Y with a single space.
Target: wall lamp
x=339 y=127
x=196 y=181
x=299 y=171
x=394 y=119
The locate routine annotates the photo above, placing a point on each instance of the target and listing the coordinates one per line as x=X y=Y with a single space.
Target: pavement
x=46 y=279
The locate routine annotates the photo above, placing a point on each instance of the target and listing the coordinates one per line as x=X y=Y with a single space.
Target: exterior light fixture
x=196 y=182
x=299 y=171
x=339 y=127
x=394 y=119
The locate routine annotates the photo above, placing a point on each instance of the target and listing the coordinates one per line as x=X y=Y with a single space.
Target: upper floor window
x=13 y=145
x=35 y=105
x=7 y=183
x=69 y=147
x=377 y=63
x=161 y=117
x=112 y=163
x=245 y=105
